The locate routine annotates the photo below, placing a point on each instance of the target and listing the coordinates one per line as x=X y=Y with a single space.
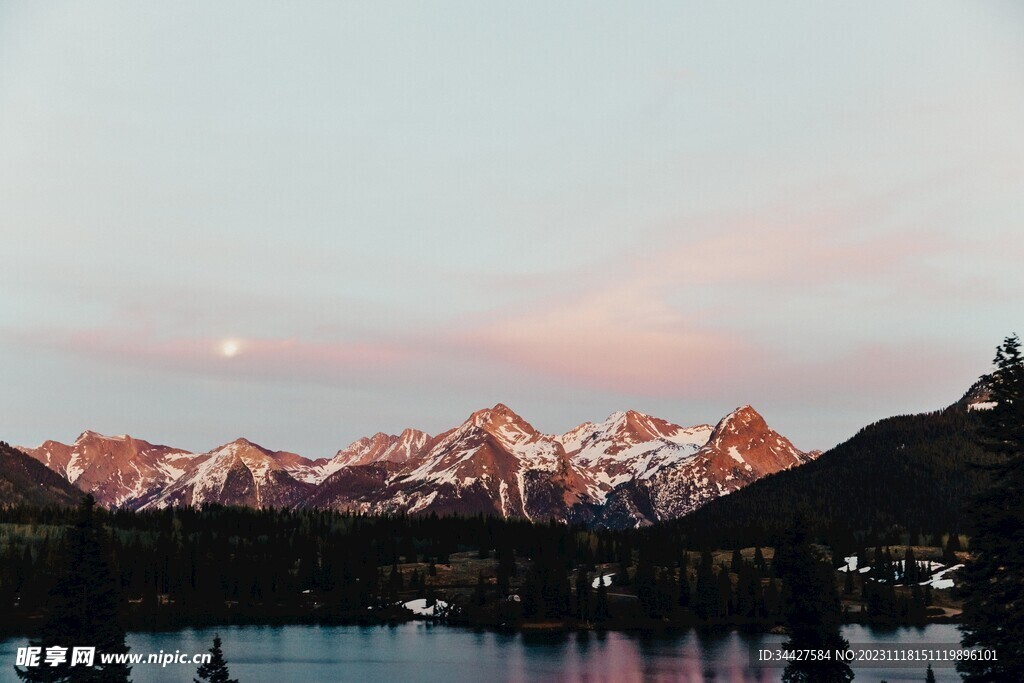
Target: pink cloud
x=619 y=340
x=290 y=358
x=879 y=368
x=674 y=319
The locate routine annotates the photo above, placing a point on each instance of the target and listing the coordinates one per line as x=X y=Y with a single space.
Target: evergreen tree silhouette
x=993 y=615
x=601 y=601
x=811 y=608
x=583 y=607
x=83 y=608
x=215 y=670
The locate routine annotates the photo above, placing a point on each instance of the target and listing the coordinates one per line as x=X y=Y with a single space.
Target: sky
x=307 y=222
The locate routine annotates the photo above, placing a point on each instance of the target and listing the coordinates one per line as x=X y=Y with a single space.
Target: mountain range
x=629 y=470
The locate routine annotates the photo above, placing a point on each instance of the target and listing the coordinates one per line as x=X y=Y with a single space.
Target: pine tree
x=910 y=575
x=601 y=601
x=645 y=584
x=480 y=592
x=771 y=601
x=215 y=670
x=1002 y=429
x=811 y=608
x=929 y=676
x=952 y=548
x=84 y=607
x=993 y=615
x=583 y=609
x=683 y=590
x=746 y=591
x=736 y=562
x=725 y=597
x=707 y=589
x=666 y=595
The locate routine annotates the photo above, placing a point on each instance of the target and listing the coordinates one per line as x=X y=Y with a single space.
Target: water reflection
x=426 y=652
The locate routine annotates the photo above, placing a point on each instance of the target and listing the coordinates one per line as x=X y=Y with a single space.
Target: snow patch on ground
x=419 y=607
x=74 y=469
x=423 y=502
x=940 y=579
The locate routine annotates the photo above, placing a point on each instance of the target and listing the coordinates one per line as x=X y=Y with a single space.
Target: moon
x=229 y=348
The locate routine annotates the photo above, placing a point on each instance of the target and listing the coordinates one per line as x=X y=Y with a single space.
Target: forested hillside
x=911 y=474
x=24 y=481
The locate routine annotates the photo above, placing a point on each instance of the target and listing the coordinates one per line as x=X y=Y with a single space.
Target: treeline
x=644 y=586
x=236 y=565
x=219 y=563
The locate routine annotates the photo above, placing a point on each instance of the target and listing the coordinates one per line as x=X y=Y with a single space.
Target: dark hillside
x=915 y=472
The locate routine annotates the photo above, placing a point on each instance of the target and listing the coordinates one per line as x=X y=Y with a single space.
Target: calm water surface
x=420 y=651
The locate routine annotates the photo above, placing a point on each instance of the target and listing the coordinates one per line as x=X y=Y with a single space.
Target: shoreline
x=395 y=618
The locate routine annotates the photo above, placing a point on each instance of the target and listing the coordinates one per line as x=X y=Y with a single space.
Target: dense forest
x=236 y=565
x=24 y=481
x=902 y=479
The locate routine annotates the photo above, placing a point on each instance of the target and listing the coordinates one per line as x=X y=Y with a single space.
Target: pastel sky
x=307 y=222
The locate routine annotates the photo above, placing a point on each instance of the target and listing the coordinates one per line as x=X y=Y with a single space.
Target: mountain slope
x=495 y=463
x=742 y=448
x=395 y=451
x=117 y=470
x=917 y=472
x=237 y=473
x=25 y=481
x=629 y=445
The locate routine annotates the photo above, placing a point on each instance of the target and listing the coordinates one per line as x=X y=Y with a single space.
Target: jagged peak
x=409 y=434
x=241 y=443
x=364 y=442
x=413 y=436
x=636 y=425
x=499 y=414
x=498 y=409
x=743 y=418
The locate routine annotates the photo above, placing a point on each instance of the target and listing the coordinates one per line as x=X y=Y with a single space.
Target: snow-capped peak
x=745 y=437
x=630 y=445
x=505 y=425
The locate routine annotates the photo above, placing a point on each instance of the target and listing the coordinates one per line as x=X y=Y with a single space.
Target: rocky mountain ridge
x=630 y=469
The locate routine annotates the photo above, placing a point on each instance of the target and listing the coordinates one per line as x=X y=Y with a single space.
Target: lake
x=420 y=651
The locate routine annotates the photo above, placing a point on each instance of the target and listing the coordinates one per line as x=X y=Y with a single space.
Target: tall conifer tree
x=216 y=670
x=993 y=580
x=83 y=608
x=811 y=608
